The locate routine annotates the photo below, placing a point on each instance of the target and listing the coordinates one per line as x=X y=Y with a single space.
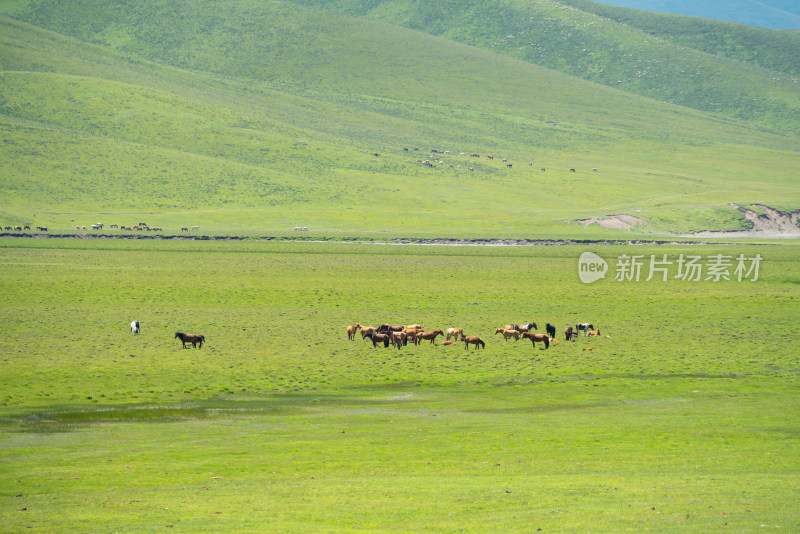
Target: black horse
x=551 y=330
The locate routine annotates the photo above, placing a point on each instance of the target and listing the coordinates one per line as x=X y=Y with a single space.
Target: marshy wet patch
x=71 y=419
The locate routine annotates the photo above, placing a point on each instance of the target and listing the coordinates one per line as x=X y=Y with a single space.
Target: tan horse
x=366 y=330
x=455 y=333
x=507 y=333
x=412 y=331
x=594 y=332
x=351 y=331
x=543 y=338
x=472 y=340
x=398 y=339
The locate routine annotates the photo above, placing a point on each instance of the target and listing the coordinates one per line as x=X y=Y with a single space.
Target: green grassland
x=119 y=112
x=682 y=416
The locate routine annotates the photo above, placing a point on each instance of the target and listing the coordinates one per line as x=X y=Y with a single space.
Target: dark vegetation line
x=394 y=241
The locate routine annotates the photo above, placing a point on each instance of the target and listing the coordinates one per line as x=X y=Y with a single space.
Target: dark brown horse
x=543 y=338
x=569 y=333
x=194 y=339
x=474 y=340
x=377 y=338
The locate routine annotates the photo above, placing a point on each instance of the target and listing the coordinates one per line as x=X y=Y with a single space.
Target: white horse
x=135 y=327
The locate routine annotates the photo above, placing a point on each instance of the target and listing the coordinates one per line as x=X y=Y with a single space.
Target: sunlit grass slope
x=275 y=116
x=720 y=67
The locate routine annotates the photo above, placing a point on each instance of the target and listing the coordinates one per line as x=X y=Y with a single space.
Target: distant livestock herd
x=437 y=157
x=140 y=227
x=399 y=335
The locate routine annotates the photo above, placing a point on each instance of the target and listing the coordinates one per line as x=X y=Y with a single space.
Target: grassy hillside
x=631 y=50
x=767 y=48
x=764 y=13
x=273 y=120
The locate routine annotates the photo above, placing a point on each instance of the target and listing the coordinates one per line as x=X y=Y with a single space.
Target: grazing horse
x=569 y=333
x=194 y=339
x=135 y=327
x=474 y=340
x=507 y=333
x=584 y=327
x=428 y=335
x=454 y=332
x=551 y=330
x=377 y=338
x=521 y=327
x=351 y=331
x=544 y=338
x=594 y=332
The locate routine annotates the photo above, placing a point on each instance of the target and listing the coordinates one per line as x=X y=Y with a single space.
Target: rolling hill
x=774 y=14
x=254 y=118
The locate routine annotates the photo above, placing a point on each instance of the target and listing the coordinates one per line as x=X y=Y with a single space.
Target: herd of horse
x=400 y=335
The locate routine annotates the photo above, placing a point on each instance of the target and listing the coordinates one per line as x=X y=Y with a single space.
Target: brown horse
x=194 y=339
x=474 y=340
x=428 y=335
x=544 y=338
x=569 y=333
x=377 y=338
x=507 y=333
x=594 y=332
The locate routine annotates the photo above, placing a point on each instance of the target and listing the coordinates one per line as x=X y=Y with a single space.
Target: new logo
x=591 y=267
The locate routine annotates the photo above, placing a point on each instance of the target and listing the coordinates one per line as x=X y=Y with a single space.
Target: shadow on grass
x=70 y=418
